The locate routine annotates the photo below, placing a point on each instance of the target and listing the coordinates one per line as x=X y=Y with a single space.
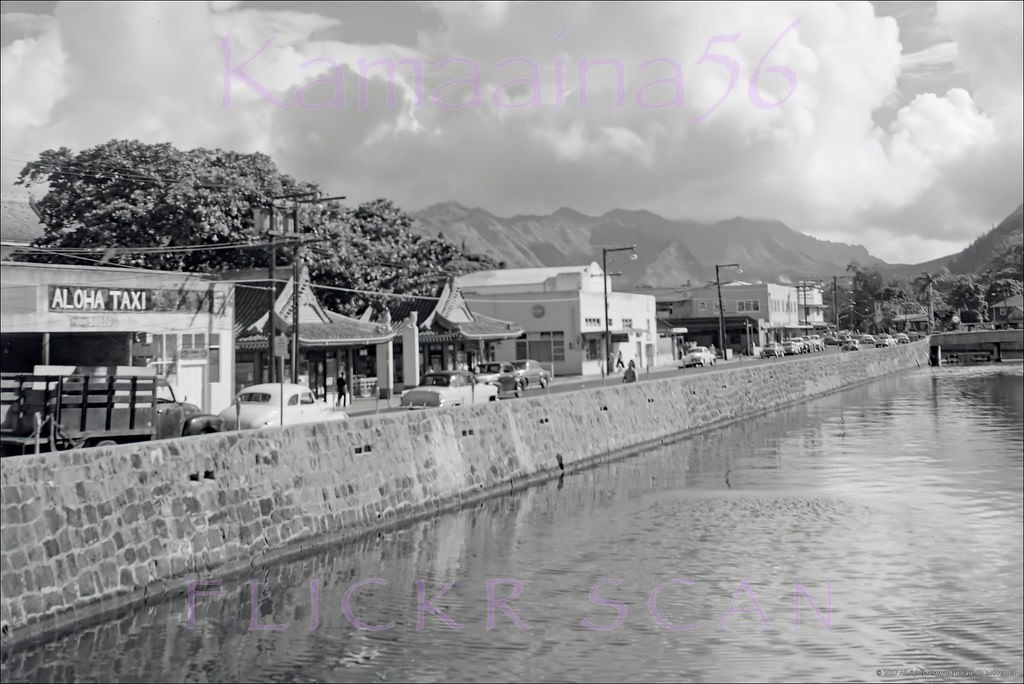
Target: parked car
x=500 y=374
x=772 y=350
x=276 y=404
x=832 y=341
x=792 y=347
x=698 y=356
x=867 y=340
x=816 y=343
x=448 y=388
x=531 y=373
x=885 y=340
x=851 y=344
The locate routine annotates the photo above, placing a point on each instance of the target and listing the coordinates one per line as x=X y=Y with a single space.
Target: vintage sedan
x=885 y=340
x=698 y=356
x=851 y=344
x=448 y=388
x=902 y=338
x=502 y=375
x=276 y=404
x=531 y=373
x=772 y=350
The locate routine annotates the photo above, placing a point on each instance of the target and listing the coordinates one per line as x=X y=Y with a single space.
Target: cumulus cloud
x=758 y=109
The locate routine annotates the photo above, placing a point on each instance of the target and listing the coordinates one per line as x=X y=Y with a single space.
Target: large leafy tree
x=126 y=194
x=967 y=294
x=130 y=203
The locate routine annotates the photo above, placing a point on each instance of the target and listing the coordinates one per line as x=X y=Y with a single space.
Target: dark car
x=502 y=375
x=531 y=373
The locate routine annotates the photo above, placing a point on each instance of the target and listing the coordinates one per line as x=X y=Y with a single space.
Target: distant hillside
x=670 y=252
x=975 y=258
x=995 y=243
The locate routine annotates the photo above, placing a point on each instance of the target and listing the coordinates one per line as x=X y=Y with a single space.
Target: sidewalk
x=364 y=405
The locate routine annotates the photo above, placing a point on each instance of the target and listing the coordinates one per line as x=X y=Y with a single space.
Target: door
x=191 y=382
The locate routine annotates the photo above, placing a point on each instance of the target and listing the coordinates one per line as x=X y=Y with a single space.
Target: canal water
x=871 y=531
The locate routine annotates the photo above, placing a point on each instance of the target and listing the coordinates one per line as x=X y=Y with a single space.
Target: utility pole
x=835 y=300
x=271 y=304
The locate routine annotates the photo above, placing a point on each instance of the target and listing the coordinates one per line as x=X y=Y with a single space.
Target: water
x=900 y=502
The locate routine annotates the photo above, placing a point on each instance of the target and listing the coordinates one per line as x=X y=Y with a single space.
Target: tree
x=1002 y=288
x=925 y=286
x=966 y=294
x=126 y=194
x=129 y=194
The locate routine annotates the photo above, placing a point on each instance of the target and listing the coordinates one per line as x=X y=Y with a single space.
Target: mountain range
x=671 y=253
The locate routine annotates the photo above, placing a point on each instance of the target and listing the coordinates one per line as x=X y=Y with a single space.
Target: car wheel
x=106 y=442
x=543 y=383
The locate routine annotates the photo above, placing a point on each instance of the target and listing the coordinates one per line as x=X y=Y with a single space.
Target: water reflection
x=898 y=505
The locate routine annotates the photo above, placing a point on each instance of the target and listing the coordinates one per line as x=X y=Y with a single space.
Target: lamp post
x=605 y=251
x=721 y=308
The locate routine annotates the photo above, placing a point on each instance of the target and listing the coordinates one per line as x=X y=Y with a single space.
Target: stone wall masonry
x=89 y=534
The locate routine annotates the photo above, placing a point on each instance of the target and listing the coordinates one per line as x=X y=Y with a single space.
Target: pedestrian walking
x=619 y=362
x=630 y=374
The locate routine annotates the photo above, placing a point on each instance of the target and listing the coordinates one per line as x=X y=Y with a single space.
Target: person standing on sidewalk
x=630 y=374
x=342 y=390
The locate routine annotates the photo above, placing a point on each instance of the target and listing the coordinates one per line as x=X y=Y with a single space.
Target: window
x=593 y=351
x=542 y=346
x=592 y=321
x=293 y=400
x=702 y=306
x=716 y=307
x=754 y=306
x=307 y=398
x=627 y=322
x=741 y=306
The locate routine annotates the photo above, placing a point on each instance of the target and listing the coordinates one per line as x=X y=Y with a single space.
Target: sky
x=897 y=126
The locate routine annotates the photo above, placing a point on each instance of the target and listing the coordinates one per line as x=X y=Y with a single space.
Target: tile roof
x=251 y=303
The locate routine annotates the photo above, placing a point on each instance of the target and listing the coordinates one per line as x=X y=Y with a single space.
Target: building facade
x=86 y=316
x=562 y=310
x=755 y=314
x=331 y=345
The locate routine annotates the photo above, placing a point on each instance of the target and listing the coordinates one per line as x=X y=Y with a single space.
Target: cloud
x=759 y=109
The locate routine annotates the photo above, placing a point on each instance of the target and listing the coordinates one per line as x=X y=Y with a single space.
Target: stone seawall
x=90 y=533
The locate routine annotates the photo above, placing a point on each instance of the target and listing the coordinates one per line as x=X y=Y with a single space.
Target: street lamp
x=721 y=308
x=605 y=251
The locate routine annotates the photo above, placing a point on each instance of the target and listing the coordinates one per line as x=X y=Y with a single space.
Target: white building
x=562 y=310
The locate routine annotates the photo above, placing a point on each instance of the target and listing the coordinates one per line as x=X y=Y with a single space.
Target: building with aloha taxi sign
x=180 y=324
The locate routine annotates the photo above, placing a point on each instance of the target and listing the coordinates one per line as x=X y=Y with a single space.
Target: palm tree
x=924 y=283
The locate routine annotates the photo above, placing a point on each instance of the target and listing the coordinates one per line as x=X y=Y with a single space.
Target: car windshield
x=698 y=350
x=438 y=380
x=254 y=398
x=490 y=368
x=519 y=365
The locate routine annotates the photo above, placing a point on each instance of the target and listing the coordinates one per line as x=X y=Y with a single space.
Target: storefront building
x=87 y=316
x=330 y=344
x=755 y=314
x=562 y=310
x=440 y=333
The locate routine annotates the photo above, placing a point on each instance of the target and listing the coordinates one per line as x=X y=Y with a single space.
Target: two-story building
x=562 y=310
x=755 y=313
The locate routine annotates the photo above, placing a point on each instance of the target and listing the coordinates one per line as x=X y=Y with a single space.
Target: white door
x=191 y=381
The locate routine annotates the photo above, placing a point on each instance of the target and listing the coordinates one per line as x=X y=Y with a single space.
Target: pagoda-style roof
x=445 y=318
x=318 y=327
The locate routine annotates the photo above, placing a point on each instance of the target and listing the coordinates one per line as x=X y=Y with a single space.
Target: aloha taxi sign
x=107 y=299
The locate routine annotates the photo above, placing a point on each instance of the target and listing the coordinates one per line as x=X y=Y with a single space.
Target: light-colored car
x=698 y=356
x=448 y=388
x=793 y=347
x=772 y=350
x=851 y=344
x=502 y=375
x=902 y=338
x=816 y=343
x=276 y=404
x=867 y=340
x=801 y=344
x=531 y=373
x=885 y=340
